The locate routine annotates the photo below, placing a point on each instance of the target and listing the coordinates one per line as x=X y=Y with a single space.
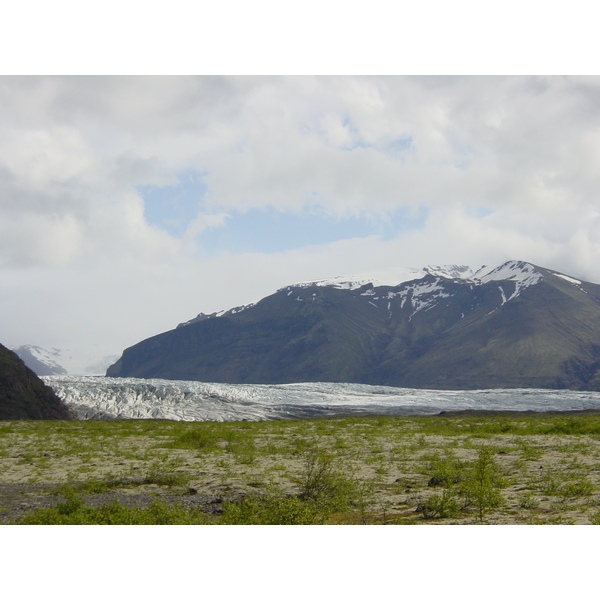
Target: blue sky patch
x=268 y=231
x=173 y=208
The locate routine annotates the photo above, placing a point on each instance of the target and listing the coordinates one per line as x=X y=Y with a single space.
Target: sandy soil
x=548 y=478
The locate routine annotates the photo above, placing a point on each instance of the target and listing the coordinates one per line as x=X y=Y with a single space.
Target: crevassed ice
x=130 y=398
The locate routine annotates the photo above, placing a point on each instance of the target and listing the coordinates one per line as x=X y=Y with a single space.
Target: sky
x=129 y=204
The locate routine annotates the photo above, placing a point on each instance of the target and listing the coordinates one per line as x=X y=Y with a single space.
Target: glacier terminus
x=131 y=398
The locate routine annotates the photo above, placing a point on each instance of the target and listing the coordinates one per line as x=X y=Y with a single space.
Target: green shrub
x=272 y=511
x=198 y=439
x=440 y=506
x=549 y=483
x=527 y=501
x=164 y=474
x=445 y=471
x=74 y=512
x=572 y=426
x=482 y=486
x=529 y=452
x=575 y=490
x=323 y=483
x=94 y=487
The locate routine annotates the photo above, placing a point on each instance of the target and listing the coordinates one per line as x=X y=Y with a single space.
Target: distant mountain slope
x=40 y=361
x=23 y=395
x=516 y=325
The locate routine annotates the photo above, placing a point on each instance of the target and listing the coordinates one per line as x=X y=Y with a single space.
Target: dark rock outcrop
x=23 y=395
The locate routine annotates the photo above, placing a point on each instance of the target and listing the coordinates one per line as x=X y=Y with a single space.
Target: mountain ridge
x=514 y=325
x=41 y=361
x=23 y=395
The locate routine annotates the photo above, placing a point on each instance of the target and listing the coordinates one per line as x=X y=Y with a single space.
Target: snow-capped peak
x=450 y=271
x=522 y=273
x=391 y=277
x=41 y=361
x=514 y=270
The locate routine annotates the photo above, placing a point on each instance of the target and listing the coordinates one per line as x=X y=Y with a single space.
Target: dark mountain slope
x=278 y=340
x=514 y=326
x=532 y=342
x=23 y=395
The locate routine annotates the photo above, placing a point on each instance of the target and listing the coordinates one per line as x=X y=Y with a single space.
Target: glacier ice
x=130 y=398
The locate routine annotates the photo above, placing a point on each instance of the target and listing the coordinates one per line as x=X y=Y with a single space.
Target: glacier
x=131 y=398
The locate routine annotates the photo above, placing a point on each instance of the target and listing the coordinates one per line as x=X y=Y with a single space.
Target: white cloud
x=505 y=168
x=38 y=239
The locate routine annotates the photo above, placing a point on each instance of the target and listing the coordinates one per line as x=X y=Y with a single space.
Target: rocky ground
x=542 y=469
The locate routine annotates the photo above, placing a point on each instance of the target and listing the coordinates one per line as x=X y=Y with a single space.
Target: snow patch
x=567 y=278
x=450 y=271
x=422 y=295
x=215 y=315
x=523 y=275
x=392 y=278
x=502 y=294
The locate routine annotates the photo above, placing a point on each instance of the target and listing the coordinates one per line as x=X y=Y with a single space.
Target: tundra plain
x=461 y=468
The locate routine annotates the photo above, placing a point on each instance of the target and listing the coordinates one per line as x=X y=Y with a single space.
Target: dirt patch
x=404 y=466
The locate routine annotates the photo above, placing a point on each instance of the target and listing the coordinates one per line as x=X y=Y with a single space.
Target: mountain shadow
x=23 y=395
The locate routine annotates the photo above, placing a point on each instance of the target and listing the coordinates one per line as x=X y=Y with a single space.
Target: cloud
x=499 y=167
x=38 y=239
x=481 y=141
x=202 y=222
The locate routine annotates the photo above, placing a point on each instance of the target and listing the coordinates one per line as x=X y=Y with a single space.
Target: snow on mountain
x=523 y=273
x=450 y=271
x=422 y=295
x=569 y=279
x=392 y=277
x=41 y=361
x=82 y=359
x=203 y=316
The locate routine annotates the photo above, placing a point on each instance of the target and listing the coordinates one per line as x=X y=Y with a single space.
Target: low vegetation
x=461 y=469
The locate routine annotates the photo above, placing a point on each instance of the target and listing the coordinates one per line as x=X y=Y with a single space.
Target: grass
x=73 y=511
x=371 y=470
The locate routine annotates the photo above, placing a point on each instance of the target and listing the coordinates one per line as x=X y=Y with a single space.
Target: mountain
x=515 y=325
x=40 y=361
x=23 y=395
